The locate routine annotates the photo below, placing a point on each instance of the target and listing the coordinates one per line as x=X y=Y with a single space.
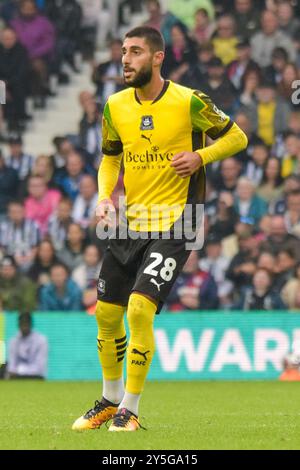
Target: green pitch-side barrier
x=189 y=346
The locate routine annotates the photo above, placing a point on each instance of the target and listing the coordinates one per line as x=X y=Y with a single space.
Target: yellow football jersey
x=148 y=134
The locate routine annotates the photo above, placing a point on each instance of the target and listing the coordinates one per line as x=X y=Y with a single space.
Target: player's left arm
x=206 y=117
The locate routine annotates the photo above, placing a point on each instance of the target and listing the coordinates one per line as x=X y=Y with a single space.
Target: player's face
x=137 y=62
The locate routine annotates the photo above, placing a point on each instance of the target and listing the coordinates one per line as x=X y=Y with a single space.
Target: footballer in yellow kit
x=158 y=129
x=150 y=135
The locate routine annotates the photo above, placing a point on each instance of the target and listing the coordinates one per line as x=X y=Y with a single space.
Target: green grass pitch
x=178 y=415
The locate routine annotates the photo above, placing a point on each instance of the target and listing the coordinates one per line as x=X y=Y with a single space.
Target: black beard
x=142 y=78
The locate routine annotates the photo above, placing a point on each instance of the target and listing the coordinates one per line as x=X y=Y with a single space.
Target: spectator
x=44 y=167
x=217 y=264
x=72 y=252
x=19 y=237
x=162 y=21
x=180 y=55
x=196 y=75
x=223 y=222
x=271 y=187
x=242 y=64
x=203 y=28
x=227 y=180
x=222 y=6
x=254 y=168
x=291 y=291
x=264 y=42
x=279 y=239
x=270 y=114
x=63 y=148
x=108 y=76
x=86 y=201
x=291 y=157
x=247 y=203
x=249 y=84
x=264 y=227
x=85 y=97
x=260 y=295
x=286 y=89
x=288 y=23
x=59 y=223
x=61 y=294
x=18 y=159
x=246 y=17
x=86 y=275
x=292 y=214
x=243 y=264
x=193 y=289
x=28 y=352
x=16 y=291
x=267 y=261
x=14 y=70
x=274 y=71
x=41 y=202
x=291 y=183
x=219 y=87
x=8 y=184
x=39 y=272
x=284 y=268
x=75 y=169
x=36 y=33
x=205 y=54
x=225 y=40
x=90 y=132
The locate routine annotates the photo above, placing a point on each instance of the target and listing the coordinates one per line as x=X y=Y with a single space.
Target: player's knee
x=108 y=316
x=140 y=311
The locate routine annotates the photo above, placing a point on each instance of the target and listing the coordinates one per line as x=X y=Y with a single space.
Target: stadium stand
x=244 y=53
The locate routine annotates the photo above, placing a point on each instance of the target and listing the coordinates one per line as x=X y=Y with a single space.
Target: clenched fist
x=103 y=209
x=186 y=163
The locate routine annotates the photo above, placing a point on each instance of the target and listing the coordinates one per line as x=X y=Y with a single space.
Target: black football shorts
x=149 y=266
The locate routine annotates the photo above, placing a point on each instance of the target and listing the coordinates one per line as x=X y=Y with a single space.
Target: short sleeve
x=206 y=117
x=111 y=142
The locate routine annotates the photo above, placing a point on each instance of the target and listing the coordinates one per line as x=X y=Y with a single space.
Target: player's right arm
x=109 y=169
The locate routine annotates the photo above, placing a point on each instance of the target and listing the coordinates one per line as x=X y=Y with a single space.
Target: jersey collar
x=161 y=94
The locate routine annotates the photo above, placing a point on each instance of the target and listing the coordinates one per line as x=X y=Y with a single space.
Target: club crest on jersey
x=101 y=286
x=222 y=115
x=147 y=123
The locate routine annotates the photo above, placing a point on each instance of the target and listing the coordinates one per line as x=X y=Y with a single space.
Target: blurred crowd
x=245 y=55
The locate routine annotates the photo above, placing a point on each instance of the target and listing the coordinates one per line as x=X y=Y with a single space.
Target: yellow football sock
x=140 y=314
x=111 y=339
